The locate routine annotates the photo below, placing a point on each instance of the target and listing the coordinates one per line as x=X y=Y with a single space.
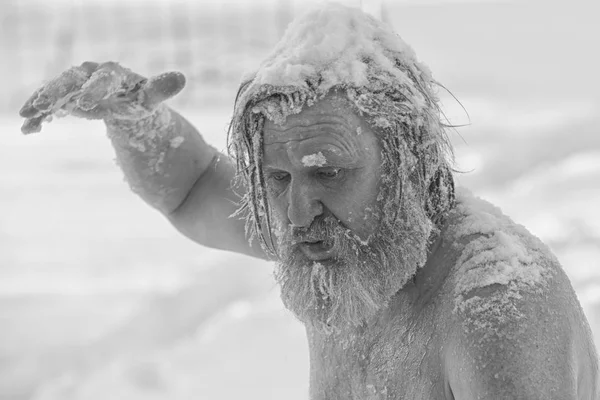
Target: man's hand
x=99 y=91
x=164 y=158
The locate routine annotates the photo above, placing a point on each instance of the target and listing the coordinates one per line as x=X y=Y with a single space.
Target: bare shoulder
x=518 y=330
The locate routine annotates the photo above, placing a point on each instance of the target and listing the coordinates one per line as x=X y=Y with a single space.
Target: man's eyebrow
x=269 y=167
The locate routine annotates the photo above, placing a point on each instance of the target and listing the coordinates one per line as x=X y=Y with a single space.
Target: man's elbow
x=192 y=221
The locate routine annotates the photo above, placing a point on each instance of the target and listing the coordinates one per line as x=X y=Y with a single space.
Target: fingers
x=89 y=67
x=139 y=97
x=97 y=112
x=100 y=86
x=33 y=125
x=94 y=91
x=53 y=95
x=162 y=87
x=110 y=88
x=28 y=110
x=59 y=90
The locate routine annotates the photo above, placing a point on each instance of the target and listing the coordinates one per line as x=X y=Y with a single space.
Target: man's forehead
x=334 y=112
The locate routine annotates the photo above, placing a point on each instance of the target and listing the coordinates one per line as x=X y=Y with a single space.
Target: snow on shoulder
x=495 y=251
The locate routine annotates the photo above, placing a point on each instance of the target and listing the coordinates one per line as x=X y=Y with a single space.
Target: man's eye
x=279 y=176
x=330 y=173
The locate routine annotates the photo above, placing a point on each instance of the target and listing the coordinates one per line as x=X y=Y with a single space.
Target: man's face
x=338 y=265
x=323 y=162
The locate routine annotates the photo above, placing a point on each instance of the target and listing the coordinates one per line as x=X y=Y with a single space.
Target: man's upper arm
x=512 y=345
x=205 y=216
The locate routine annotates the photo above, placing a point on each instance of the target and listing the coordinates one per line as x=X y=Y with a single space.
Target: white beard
x=349 y=290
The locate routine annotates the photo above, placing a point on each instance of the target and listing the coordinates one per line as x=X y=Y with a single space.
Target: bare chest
x=396 y=363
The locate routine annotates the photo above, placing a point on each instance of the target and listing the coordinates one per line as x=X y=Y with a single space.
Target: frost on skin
x=153 y=136
x=338 y=49
x=65 y=92
x=342 y=47
x=499 y=254
x=322 y=286
x=314 y=160
x=177 y=141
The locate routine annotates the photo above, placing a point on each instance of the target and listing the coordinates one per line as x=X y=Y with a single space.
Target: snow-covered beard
x=345 y=292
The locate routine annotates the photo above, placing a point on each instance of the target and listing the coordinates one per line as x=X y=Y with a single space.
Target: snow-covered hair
x=341 y=49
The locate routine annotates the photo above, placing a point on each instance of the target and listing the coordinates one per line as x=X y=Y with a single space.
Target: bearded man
x=341 y=169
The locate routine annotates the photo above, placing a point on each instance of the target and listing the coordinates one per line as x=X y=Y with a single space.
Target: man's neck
x=378 y=354
x=408 y=303
x=430 y=277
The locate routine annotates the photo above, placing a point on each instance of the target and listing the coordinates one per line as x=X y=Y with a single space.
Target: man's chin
x=345 y=289
x=323 y=316
x=327 y=317
x=327 y=296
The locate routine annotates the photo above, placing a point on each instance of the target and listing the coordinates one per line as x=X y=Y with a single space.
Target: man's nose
x=304 y=205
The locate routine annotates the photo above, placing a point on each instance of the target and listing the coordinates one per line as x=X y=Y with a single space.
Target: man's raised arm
x=164 y=158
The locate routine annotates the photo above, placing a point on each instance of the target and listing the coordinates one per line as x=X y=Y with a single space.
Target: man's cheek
x=362 y=223
x=279 y=223
x=371 y=218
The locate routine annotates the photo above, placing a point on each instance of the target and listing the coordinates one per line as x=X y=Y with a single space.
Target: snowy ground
x=101 y=299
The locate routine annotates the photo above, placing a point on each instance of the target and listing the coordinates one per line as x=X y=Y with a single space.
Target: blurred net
x=212 y=44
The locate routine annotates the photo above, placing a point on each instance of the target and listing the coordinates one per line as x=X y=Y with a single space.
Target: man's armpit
x=509 y=344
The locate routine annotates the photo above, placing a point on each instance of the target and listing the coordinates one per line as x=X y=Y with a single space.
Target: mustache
x=326 y=229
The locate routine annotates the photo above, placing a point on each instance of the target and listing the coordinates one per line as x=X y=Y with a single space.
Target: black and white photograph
x=299 y=199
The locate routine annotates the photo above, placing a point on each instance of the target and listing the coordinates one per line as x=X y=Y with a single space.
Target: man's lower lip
x=317 y=251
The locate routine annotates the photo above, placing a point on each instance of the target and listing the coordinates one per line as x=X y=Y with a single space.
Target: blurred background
x=100 y=298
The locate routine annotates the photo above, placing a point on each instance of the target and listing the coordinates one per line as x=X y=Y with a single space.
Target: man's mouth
x=317 y=250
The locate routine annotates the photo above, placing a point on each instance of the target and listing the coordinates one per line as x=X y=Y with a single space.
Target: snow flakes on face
x=314 y=160
x=341 y=49
x=176 y=141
